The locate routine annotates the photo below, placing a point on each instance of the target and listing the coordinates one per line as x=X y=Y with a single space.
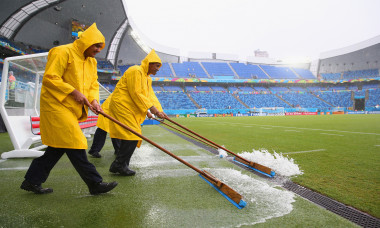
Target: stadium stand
x=172 y=89
x=123 y=68
x=248 y=71
x=315 y=88
x=337 y=88
x=233 y=89
x=361 y=74
x=203 y=88
x=157 y=88
x=331 y=76
x=190 y=88
x=360 y=93
x=189 y=69
x=337 y=99
x=105 y=65
x=175 y=101
x=370 y=86
x=279 y=72
x=353 y=87
x=306 y=74
x=262 y=100
x=109 y=87
x=218 y=89
x=224 y=100
x=303 y=100
x=165 y=71
x=297 y=89
x=373 y=98
x=261 y=89
x=246 y=89
x=218 y=69
x=276 y=89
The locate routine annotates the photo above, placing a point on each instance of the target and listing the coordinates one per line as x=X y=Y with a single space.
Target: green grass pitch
x=339 y=156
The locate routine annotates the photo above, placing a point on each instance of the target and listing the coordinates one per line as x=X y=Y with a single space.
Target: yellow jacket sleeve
x=55 y=68
x=94 y=88
x=136 y=84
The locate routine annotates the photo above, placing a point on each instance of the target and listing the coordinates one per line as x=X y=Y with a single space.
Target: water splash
x=264 y=198
x=222 y=153
x=283 y=166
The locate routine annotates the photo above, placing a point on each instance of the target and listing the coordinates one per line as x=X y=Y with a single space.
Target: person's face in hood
x=153 y=68
x=93 y=50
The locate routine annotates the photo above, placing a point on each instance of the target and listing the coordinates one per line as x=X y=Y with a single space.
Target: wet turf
x=164 y=193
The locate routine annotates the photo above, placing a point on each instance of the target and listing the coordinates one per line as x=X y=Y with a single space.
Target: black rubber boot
x=102 y=187
x=94 y=154
x=123 y=170
x=37 y=189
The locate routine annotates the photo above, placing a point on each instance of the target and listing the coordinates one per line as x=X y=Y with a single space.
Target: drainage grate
x=349 y=213
x=352 y=214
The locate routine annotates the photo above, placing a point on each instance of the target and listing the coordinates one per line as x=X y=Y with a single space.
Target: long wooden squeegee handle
x=232 y=194
x=205 y=142
x=237 y=157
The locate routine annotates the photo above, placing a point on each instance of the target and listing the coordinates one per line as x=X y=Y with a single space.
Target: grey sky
x=284 y=28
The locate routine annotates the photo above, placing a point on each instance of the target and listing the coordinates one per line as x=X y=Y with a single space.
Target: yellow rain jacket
x=132 y=98
x=103 y=122
x=67 y=69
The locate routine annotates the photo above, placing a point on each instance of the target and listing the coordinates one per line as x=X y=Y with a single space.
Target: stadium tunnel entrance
x=359 y=103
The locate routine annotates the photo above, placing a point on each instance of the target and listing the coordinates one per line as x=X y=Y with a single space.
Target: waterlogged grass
x=164 y=193
x=339 y=154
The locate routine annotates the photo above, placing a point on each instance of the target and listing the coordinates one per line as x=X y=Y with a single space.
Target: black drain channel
x=349 y=213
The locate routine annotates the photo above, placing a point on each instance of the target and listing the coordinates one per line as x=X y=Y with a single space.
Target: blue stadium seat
x=306 y=74
x=361 y=74
x=189 y=69
x=248 y=71
x=303 y=100
x=218 y=88
x=262 y=100
x=173 y=89
x=337 y=99
x=177 y=101
x=203 y=88
x=165 y=71
x=331 y=76
x=216 y=100
x=279 y=72
x=123 y=68
x=373 y=98
x=190 y=88
x=276 y=89
x=218 y=69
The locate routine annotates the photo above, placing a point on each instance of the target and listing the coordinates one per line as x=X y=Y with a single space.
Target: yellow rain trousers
x=132 y=98
x=67 y=69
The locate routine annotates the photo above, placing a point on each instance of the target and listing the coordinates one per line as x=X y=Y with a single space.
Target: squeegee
x=247 y=163
x=230 y=194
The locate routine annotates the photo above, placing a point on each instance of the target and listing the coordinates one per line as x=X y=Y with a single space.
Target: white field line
x=330 y=134
x=16 y=168
x=302 y=128
x=306 y=151
x=268 y=128
x=377 y=145
x=293 y=130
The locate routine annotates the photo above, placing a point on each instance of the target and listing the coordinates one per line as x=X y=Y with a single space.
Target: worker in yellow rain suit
x=69 y=87
x=101 y=133
x=130 y=102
